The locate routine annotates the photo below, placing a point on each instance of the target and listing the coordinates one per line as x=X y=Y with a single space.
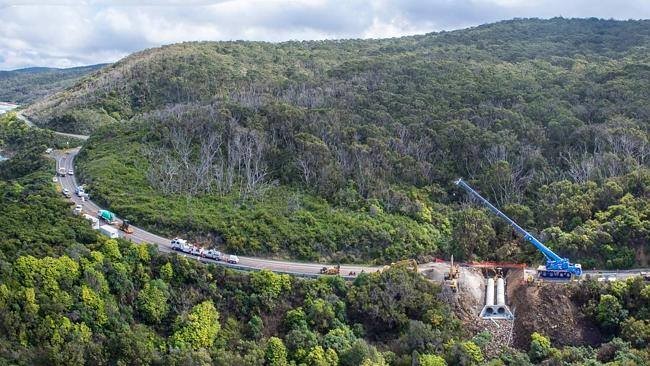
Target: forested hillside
x=346 y=150
x=69 y=296
x=24 y=86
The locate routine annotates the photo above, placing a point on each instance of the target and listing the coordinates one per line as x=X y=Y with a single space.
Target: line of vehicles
x=63 y=172
x=109 y=220
x=183 y=246
x=556 y=266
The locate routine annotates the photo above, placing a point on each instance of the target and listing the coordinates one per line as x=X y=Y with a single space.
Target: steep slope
x=347 y=149
x=295 y=71
x=24 y=86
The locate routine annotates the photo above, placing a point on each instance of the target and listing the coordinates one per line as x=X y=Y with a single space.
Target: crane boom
x=556 y=266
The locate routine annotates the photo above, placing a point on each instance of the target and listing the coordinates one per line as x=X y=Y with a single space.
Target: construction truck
x=107 y=216
x=181 y=245
x=126 y=227
x=109 y=231
x=331 y=270
x=556 y=267
x=451 y=277
x=213 y=254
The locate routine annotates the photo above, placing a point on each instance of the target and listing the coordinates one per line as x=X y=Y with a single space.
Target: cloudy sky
x=63 y=33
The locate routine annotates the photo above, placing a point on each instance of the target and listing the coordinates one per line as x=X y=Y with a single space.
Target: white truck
x=181 y=245
x=109 y=231
x=213 y=254
x=93 y=220
x=77 y=209
x=198 y=251
x=233 y=259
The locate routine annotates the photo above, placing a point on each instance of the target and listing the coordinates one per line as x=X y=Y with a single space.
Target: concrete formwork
x=498 y=310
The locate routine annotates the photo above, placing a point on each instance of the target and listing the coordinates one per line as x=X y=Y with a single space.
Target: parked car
x=77 y=209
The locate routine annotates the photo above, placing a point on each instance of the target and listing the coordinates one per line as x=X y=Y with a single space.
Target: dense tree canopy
x=347 y=150
x=336 y=150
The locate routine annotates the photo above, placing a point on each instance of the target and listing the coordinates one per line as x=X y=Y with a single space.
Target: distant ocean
x=5 y=107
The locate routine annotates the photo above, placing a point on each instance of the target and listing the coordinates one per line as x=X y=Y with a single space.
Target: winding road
x=65 y=159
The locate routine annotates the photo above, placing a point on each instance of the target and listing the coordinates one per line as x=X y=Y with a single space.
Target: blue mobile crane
x=556 y=266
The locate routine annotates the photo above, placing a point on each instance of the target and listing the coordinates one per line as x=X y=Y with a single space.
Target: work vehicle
x=109 y=231
x=198 y=251
x=331 y=270
x=66 y=192
x=181 y=245
x=451 y=277
x=107 y=216
x=62 y=172
x=94 y=222
x=556 y=267
x=126 y=227
x=77 y=209
x=233 y=259
x=213 y=254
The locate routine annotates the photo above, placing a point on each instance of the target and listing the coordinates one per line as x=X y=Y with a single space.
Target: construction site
x=528 y=306
x=510 y=301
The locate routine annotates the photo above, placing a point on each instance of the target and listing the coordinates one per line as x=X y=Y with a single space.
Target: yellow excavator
x=126 y=227
x=451 y=277
x=331 y=270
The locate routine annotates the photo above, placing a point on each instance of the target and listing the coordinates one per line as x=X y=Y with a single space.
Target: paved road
x=31 y=124
x=66 y=160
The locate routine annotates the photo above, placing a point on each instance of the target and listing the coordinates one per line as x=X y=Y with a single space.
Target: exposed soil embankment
x=547 y=308
x=542 y=307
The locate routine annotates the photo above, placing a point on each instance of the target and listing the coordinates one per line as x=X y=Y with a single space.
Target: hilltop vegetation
x=69 y=296
x=27 y=85
x=346 y=150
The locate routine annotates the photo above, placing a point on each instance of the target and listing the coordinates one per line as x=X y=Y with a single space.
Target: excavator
x=451 y=277
x=556 y=267
x=331 y=271
x=126 y=227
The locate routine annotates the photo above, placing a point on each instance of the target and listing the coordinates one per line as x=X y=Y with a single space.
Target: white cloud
x=62 y=33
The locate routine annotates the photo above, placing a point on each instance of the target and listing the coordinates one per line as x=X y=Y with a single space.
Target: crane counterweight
x=556 y=266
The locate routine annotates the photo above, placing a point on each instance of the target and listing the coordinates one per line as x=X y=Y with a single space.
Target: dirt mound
x=547 y=308
x=468 y=301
